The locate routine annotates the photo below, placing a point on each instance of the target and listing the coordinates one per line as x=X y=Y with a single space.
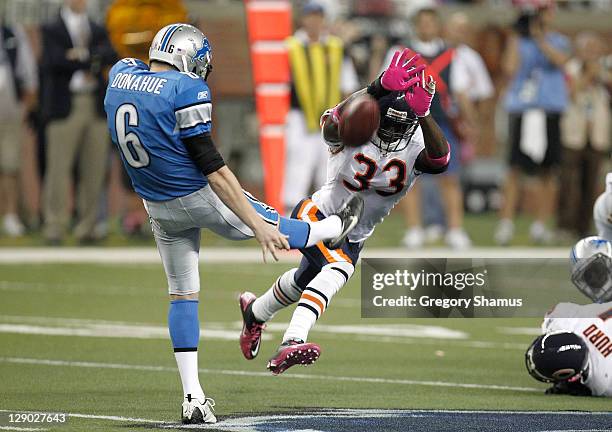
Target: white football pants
x=176 y=227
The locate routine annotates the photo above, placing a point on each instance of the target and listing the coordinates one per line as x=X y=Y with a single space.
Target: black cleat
x=350 y=213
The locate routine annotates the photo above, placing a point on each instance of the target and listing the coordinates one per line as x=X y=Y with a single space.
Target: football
x=359 y=120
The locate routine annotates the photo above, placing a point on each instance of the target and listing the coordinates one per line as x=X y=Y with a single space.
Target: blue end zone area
x=351 y=420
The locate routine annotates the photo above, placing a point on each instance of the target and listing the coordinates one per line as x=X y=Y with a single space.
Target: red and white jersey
x=592 y=322
x=381 y=178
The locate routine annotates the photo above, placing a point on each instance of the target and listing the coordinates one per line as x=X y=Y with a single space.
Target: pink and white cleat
x=250 y=337
x=291 y=353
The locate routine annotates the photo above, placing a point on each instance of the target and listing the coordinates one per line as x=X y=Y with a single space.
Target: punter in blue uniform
x=159 y=117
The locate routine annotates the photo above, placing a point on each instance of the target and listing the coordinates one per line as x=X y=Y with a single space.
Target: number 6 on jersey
x=129 y=143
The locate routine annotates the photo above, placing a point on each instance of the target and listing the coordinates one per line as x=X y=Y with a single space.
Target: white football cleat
x=12 y=226
x=504 y=232
x=433 y=233
x=458 y=239
x=414 y=238
x=198 y=410
x=540 y=234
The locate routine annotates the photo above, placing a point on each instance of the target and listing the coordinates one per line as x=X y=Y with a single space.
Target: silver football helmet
x=591 y=266
x=184 y=47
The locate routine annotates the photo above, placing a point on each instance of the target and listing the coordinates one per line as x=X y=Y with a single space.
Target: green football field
x=91 y=340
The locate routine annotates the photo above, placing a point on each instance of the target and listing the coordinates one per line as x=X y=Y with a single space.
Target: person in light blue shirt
x=535 y=99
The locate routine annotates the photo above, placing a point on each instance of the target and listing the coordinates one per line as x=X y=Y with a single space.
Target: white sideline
x=369 y=380
x=149 y=255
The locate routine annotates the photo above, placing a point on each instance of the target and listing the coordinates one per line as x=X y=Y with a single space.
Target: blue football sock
x=184 y=325
x=296 y=230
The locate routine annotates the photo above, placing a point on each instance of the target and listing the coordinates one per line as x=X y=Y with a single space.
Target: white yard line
x=368 y=380
x=250 y=423
x=212 y=330
x=91 y=416
x=20 y=428
x=393 y=333
x=139 y=255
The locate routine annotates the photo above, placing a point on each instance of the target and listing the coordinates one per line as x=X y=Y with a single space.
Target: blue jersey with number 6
x=148 y=115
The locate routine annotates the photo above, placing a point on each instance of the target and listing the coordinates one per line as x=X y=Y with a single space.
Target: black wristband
x=376 y=90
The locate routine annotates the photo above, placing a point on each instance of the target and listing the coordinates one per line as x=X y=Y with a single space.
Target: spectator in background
x=322 y=75
x=18 y=87
x=446 y=207
x=470 y=82
x=585 y=133
x=535 y=98
x=76 y=52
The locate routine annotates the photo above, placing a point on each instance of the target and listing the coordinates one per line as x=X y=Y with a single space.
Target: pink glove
x=402 y=72
x=332 y=113
x=419 y=99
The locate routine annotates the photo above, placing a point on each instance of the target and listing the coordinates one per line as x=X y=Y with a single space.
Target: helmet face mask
x=398 y=123
x=557 y=357
x=184 y=47
x=591 y=261
x=394 y=137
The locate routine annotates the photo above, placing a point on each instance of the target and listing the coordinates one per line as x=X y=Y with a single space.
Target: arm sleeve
x=204 y=154
x=193 y=107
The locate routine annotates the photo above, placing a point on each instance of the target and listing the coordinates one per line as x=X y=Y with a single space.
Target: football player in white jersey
x=575 y=351
x=407 y=143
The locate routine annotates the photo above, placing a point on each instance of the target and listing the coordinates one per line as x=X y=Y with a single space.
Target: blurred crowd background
x=523 y=87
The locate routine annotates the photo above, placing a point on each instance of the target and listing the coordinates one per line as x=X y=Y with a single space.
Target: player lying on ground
x=407 y=143
x=160 y=119
x=575 y=351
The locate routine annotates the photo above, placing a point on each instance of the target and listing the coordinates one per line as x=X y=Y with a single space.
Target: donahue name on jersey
x=149 y=114
x=128 y=81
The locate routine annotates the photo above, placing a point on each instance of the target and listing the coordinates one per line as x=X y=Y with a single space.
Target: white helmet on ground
x=591 y=266
x=184 y=47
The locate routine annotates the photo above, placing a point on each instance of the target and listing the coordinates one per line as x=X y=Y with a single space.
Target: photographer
x=535 y=99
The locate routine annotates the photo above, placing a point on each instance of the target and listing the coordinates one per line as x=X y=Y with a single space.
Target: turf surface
x=126 y=367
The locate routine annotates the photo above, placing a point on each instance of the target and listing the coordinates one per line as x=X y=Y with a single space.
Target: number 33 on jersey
x=382 y=178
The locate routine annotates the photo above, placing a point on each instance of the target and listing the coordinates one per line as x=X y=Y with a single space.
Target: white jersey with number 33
x=381 y=178
x=592 y=322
